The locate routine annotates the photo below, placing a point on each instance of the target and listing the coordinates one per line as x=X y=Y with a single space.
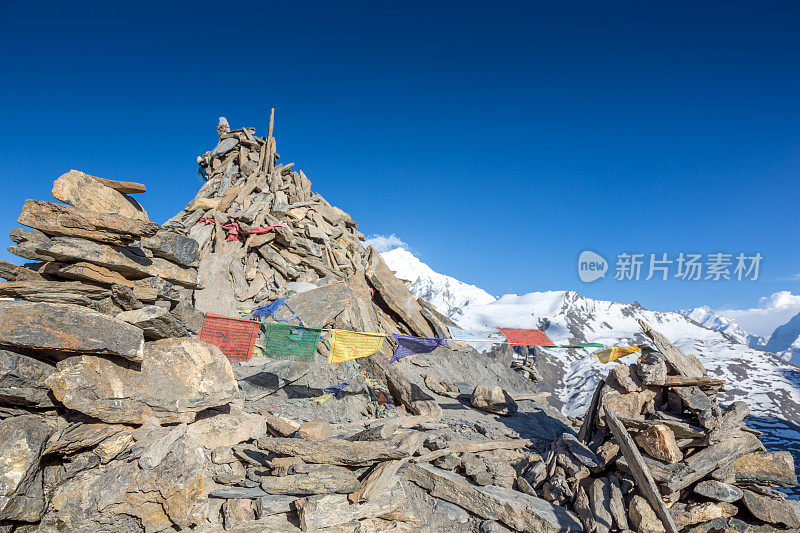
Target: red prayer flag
x=234 y=336
x=526 y=337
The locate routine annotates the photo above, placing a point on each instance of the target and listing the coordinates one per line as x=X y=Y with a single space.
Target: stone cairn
x=115 y=417
x=656 y=452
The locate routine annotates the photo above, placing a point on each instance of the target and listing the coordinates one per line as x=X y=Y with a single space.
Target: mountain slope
x=708 y=318
x=447 y=294
x=770 y=385
x=785 y=340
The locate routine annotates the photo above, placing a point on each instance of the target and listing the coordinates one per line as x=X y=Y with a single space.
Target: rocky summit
x=116 y=417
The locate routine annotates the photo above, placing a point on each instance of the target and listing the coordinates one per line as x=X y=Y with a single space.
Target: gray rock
x=165 y=289
x=156 y=322
x=67 y=328
x=493 y=400
x=721 y=492
x=490 y=526
x=159 y=448
x=22 y=380
x=187 y=315
x=778 y=512
x=22 y=439
x=652 y=367
x=178 y=378
x=173 y=246
x=450 y=511
x=230 y=493
x=224 y=146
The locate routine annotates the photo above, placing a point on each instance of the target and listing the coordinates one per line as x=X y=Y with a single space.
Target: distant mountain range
x=767 y=382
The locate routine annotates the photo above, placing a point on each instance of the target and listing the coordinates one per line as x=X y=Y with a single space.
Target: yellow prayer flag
x=347 y=345
x=615 y=352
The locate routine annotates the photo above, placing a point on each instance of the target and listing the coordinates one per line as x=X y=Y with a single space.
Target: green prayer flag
x=284 y=341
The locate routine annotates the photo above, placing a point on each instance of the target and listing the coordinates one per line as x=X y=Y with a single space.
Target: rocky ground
x=114 y=416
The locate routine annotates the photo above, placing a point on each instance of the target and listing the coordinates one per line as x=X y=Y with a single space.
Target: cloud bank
x=384 y=243
x=772 y=311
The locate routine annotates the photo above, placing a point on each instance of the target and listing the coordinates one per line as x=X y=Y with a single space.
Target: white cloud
x=384 y=243
x=772 y=311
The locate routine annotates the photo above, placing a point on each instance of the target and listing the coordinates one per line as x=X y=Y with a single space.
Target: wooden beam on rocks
x=646 y=484
x=587 y=425
x=382 y=475
x=684 y=381
x=333 y=451
x=683 y=364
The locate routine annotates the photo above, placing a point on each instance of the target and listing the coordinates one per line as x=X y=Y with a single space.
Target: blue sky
x=498 y=140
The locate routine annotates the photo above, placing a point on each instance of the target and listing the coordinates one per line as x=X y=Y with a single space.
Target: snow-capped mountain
x=769 y=384
x=447 y=294
x=785 y=340
x=711 y=319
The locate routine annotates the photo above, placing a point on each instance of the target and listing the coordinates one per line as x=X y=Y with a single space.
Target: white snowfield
x=770 y=385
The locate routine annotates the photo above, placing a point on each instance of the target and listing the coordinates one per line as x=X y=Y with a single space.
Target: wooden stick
x=644 y=480
x=271 y=123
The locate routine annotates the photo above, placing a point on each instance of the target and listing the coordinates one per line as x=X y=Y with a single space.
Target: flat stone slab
x=178 y=378
x=67 y=328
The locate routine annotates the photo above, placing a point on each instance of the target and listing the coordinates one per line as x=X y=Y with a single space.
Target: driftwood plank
x=640 y=471
x=382 y=475
x=683 y=364
x=588 y=421
x=684 y=381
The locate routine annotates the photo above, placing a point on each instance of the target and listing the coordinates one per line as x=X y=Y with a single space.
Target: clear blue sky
x=498 y=139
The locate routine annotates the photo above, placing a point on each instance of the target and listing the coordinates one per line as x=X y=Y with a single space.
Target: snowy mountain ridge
x=769 y=384
x=711 y=319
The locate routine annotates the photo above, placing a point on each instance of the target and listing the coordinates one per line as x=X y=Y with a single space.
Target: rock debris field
x=116 y=417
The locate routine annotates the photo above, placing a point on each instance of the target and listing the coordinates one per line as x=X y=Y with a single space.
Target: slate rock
x=659 y=442
x=642 y=517
x=85 y=192
x=22 y=380
x=178 y=378
x=22 y=439
x=452 y=512
x=129 y=261
x=170 y=496
x=716 y=490
x=493 y=400
x=65 y=220
x=188 y=316
x=156 y=322
x=778 y=512
x=173 y=246
x=67 y=328
x=775 y=469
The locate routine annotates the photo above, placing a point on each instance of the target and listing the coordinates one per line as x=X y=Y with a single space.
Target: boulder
x=642 y=517
x=774 y=469
x=520 y=511
x=22 y=380
x=170 y=495
x=493 y=400
x=695 y=513
x=127 y=260
x=155 y=322
x=67 y=221
x=658 y=442
x=778 y=512
x=22 y=439
x=226 y=430
x=187 y=315
x=716 y=490
x=67 y=328
x=397 y=297
x=178 y=378
x=173 y=246
x=83 y=191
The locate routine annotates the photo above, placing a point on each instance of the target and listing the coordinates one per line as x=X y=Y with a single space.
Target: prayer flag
x=347 y=345
x=615 y=352
x=585 y=345
x=234 y=336
x=406 y=345
x=526 y=337
x=283 y=341
x=266 y=311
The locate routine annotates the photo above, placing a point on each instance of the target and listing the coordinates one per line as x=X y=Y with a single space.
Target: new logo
x=591 y=266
